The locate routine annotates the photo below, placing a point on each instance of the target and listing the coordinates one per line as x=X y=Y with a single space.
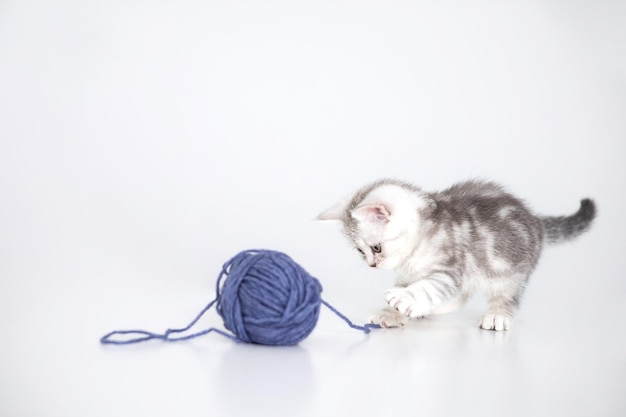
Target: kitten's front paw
x=388 y=318
x=403 y=300
x=492 y=321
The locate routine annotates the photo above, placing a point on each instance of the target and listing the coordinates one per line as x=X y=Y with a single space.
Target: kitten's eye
x=377 y=248
x=361 y=251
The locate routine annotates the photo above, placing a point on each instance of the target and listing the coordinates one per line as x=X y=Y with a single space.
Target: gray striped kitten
x=446 y=245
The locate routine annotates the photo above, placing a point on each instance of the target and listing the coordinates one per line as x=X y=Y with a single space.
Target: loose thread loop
x=166 y=337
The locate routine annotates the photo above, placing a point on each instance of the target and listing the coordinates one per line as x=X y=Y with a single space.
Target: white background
x=144 y=143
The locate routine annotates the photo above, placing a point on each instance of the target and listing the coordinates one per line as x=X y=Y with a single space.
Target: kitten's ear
x=336 y=212
x=378 y=212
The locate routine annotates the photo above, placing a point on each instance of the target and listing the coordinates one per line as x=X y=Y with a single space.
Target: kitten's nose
x=372 y=264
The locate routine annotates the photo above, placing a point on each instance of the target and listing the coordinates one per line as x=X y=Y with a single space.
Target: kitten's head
x=382 y=221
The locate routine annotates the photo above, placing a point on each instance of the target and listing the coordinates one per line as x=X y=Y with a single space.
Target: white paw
x=403 y=300
x=498 y=322
x=388 y=318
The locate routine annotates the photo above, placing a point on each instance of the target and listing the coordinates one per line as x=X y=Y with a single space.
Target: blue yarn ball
x=263 y=296
x=267 y=298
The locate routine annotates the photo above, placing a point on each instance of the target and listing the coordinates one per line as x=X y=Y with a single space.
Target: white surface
x=142 y=144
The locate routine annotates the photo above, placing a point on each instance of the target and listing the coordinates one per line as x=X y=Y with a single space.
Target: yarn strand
x=146 y=335
x=366 y=328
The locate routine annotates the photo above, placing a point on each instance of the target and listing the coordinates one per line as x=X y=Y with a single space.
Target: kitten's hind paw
x=388 y=317
x=498 y=322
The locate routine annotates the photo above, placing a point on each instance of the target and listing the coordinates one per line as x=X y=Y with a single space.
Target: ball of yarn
x=263 y=297
x=267 y=298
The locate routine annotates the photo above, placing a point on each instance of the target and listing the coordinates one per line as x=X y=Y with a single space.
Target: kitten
x=446 y=245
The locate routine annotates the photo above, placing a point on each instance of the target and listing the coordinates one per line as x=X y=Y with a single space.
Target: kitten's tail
x=563 y=228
